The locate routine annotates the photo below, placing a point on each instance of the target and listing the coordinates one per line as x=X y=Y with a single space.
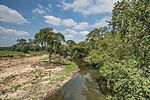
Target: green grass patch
x=54 y=62
x=16 y=87
x=70 y=66
x=5 y=53
x=16 y=53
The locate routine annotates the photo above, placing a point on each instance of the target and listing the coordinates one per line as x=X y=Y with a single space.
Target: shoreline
x=34 y=77
x=56 y=92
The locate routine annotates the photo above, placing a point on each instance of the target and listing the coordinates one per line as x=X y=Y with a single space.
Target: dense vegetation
x=120 y=51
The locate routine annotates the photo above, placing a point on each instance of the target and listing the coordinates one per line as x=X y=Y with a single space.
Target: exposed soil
x=31 y=77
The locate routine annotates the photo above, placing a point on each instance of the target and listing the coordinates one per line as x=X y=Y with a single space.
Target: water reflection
x=83 y=86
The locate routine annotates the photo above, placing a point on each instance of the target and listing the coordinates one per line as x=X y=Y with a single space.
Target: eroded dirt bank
x=33 y=77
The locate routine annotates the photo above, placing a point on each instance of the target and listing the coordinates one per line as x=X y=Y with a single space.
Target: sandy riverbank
x=33 y=77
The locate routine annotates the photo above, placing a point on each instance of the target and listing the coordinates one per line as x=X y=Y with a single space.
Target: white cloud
x=88 y=7
x=11 y=16
x=84 y=33
x=75 y=32
x=82 y=26
x=11 y=33
x=69 y=22
x=69 y=37
x=55 y=31
x=52 y=20
x=56 y=21
x=77 y=5
x=70 y=31
x=101 y=23
x=41 y=10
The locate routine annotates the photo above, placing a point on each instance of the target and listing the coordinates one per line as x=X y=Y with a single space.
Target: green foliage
x=131 y=20
x=123 y=54
x=6 y=53
x=49 y=40
x=16 y=87
x=119 y=68
x=79 y=50
x=70 y=43
x=22 y=45
x=94 y=36
x=70 y=49
x=120 y=52
x=126 y=81
x=70 y=66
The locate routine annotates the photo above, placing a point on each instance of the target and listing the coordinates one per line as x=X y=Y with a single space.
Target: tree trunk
x=49 y=57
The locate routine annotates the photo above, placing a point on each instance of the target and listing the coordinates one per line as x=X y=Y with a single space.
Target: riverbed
x=84 y=85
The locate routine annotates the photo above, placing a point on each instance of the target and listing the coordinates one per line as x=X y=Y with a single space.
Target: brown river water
x=84 y=85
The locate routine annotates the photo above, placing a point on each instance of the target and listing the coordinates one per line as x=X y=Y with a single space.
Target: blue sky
x=73 y=18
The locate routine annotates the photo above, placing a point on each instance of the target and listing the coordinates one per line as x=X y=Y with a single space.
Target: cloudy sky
x=73 y=18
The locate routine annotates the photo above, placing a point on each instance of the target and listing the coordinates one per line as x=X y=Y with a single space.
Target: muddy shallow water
x=84 y=85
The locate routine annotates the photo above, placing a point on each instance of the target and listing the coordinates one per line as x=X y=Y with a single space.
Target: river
x=84 y=85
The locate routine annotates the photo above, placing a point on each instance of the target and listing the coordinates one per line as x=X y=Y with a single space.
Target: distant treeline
x=6 y=48
x=23 y=45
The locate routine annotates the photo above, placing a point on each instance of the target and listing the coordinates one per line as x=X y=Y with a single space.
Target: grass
x=16 y=53
x=54 y=62
x=41 y=81
x=70 y=66
x=5 y=53
x=16 y=87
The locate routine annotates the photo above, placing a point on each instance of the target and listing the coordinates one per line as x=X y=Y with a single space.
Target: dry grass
x=33 y=77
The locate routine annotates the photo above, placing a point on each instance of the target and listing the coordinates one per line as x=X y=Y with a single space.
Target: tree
x=57 y=42
x=131 y=20
x=21 y=41
x=22 y=45
x=70 y=44
x=123 y=54
x=78 y=51
x=49 y=40
x=95 y=35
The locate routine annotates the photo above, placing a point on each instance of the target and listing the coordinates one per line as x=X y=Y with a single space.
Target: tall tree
x=131 y=20
x=49 y=39
x=95 y=35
